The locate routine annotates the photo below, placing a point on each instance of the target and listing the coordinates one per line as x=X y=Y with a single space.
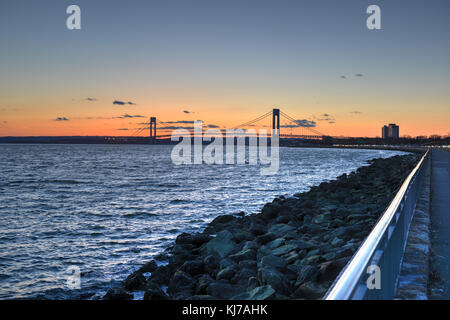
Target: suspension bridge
x=275 y=119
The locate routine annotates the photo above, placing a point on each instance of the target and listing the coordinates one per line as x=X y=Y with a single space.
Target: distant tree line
x=404 y=140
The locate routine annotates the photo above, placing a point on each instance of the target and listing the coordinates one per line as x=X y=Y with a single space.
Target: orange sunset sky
x=225 y=63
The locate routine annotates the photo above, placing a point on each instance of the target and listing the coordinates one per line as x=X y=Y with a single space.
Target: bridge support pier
x=276 y=120
x=153 y=130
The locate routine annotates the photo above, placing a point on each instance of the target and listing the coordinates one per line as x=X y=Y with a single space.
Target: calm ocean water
x=109 y=208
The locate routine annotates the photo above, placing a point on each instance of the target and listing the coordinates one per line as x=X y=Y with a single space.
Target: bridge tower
x=276 y=120
x=153 y=130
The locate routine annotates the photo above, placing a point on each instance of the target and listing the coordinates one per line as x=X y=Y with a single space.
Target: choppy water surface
x=108 y=208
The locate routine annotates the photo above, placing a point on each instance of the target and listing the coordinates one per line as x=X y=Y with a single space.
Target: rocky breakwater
x=293 y=249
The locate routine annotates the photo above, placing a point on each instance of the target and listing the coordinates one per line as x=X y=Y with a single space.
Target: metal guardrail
x=384 y=247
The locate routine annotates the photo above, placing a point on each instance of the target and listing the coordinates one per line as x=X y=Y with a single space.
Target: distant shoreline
x=103 y=140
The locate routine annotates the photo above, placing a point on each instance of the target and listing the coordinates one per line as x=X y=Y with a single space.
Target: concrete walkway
x=414 y=276
x=440 y=220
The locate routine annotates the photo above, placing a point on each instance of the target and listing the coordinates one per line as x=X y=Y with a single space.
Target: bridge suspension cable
x=139 y=130
x=296 y=121
x=246 y=124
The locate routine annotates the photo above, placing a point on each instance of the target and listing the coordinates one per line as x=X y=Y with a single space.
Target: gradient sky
x=225 y=62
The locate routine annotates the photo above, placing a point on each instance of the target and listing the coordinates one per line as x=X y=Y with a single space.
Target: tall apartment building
x=391 y=131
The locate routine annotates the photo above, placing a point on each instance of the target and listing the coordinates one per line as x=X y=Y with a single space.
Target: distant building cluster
x=390 y=131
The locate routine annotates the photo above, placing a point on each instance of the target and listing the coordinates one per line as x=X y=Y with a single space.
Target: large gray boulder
x=272 y=261
x=248 y=254
x=154 y=292
x=281 y=229
x=259 y=293
x=223 y=290
x=181 y=282
x=117 y=293
x=223 y=244
x=135 y=281
x=276 y=279
x=193 y=267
